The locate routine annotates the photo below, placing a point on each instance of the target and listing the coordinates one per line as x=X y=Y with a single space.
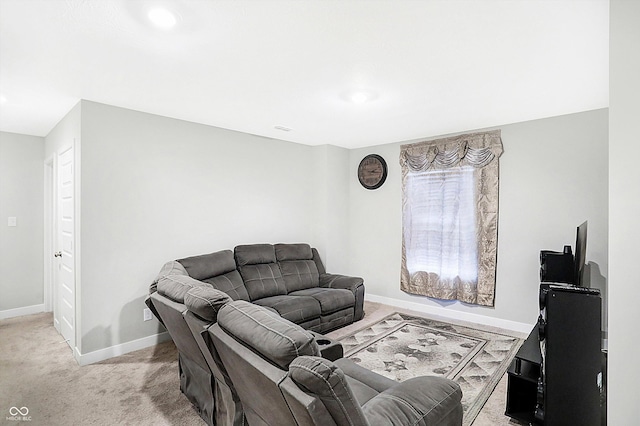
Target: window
x=450 y=217
x=440 y=236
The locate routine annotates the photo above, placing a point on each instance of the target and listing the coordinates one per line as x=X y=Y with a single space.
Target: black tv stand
x=523 y=374
x=570 y=389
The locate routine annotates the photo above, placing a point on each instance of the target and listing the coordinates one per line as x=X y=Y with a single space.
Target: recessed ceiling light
x=360 y=96
x=283 y=128
x=162 y=18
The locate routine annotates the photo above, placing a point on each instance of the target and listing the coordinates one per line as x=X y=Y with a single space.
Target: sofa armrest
x=425 y=400
x=340 y=281
x=354 y=284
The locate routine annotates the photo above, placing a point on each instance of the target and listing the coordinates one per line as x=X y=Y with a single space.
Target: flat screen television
x=563 y=266
x=580 y=254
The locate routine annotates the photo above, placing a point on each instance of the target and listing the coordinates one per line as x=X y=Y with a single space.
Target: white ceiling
x=433 y=66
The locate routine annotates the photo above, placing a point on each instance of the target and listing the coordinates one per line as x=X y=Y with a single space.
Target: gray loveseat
x=288 y=279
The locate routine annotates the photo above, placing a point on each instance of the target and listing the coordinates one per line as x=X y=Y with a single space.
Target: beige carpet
x=37 y=371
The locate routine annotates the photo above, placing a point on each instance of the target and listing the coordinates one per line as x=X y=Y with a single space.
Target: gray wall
x=553 y=176
x=21 y=196
x=331 y=208
x=66 y=133
x=156 y=189
x=624 y=207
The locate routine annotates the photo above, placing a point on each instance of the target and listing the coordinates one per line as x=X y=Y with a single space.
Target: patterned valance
x=476 y=149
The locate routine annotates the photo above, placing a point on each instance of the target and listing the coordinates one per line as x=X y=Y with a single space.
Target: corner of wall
x=331 y=201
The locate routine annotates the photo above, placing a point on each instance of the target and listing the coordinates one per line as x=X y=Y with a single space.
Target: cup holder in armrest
x=329 y=349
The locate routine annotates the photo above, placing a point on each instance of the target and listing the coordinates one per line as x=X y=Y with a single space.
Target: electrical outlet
x=147 y=315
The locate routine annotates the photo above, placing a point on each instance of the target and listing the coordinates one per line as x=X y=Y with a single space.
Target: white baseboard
x=518 y=327
x=121 y=349
x=18 y=312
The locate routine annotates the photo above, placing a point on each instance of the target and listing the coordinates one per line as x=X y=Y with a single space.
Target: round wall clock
x=372 y=171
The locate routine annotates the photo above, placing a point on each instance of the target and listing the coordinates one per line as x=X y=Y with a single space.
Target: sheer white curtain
x=440 y=224
x=450 y=216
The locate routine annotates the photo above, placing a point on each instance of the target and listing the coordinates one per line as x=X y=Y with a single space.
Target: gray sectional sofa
x=246 y=324
x=288 y=279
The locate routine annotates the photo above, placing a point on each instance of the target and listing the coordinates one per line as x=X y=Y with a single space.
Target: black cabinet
x=556 y=377
x=522 y=376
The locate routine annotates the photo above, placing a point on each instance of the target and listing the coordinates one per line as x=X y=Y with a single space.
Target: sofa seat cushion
x=278 y=340
x=330 y=299
x=425 y=400
x=365 y=384
x=297 y=309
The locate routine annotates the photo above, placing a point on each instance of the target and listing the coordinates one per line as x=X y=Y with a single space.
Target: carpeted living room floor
x=38 y=371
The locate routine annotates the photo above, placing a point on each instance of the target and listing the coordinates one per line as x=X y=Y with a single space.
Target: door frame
x=50 y=208
x=51 y=238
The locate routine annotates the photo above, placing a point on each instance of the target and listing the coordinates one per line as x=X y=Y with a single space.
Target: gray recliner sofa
x=281 y=380
x=288 y=279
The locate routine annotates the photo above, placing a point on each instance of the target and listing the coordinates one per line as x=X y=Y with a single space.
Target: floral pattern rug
x=402 y=346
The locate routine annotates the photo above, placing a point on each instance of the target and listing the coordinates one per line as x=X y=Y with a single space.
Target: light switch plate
x=12 y=221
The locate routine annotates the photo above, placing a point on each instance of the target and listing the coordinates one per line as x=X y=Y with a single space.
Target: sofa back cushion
x=170 y=268
x=219 y=270
x=260 y=271
x=299 y=271
x=278 y=340
x=230 y=283
x=254 y=254
x=293 y=252
x=209 y=265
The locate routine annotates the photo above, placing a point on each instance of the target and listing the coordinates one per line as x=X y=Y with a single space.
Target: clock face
x=372 y=171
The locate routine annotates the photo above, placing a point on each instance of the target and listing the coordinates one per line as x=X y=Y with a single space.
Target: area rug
x=402 y=346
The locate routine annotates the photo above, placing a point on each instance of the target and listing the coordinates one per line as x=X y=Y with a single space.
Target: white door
x=65 y=254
